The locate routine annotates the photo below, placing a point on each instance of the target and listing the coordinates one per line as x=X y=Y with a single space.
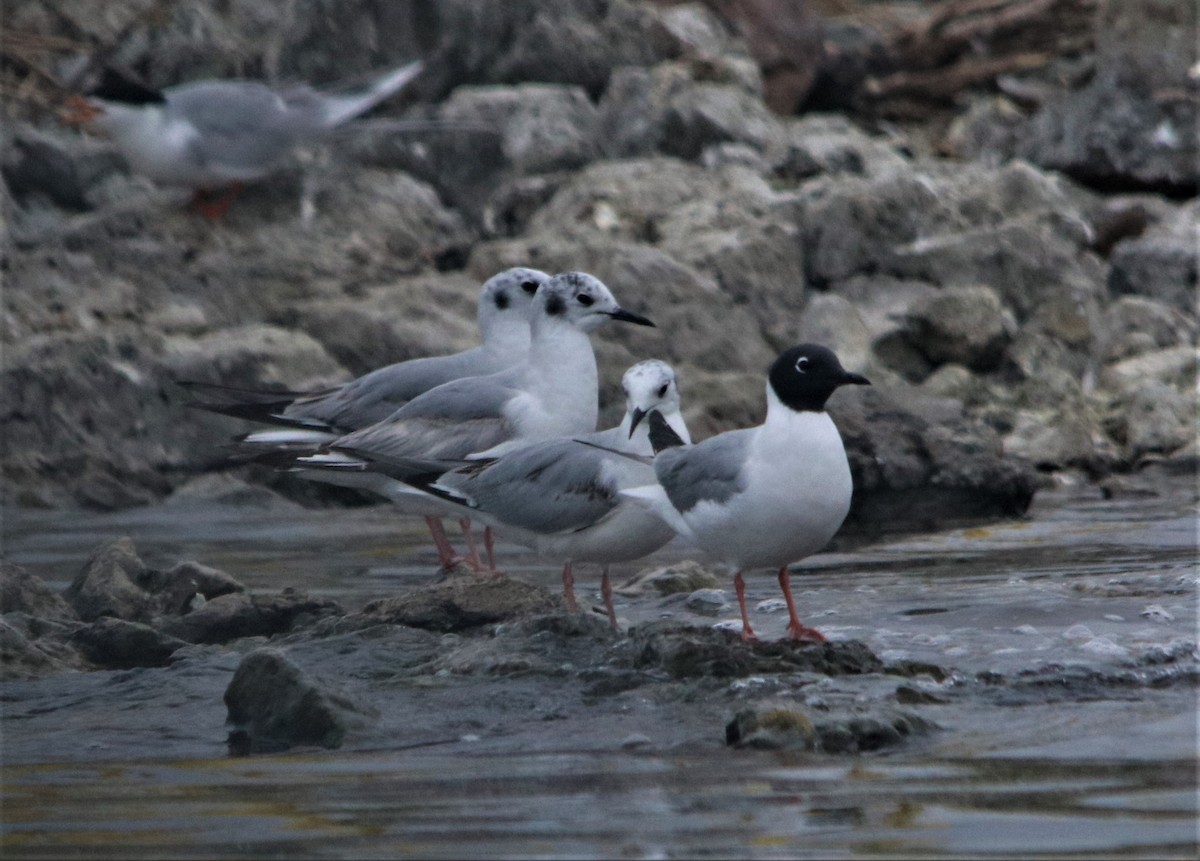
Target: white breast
x=797 y=495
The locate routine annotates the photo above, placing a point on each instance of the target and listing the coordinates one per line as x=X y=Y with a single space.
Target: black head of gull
x=803 y=377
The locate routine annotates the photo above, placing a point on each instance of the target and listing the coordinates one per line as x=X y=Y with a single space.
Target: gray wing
x=544 y=487
x=244 y=126
x=373 y=397
x=708 y=471
x=449 y=422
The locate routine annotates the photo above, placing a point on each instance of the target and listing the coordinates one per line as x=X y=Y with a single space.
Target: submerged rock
x=782 y=728
x=686 y=576
x=272 y=706
x=120 y=645
x=463 y=602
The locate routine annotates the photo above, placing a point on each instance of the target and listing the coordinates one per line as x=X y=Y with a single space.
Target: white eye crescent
x=802 y=364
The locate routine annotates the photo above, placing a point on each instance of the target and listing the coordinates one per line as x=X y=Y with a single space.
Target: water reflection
x=427 y=804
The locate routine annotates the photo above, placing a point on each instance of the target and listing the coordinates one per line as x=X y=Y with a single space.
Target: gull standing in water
x=553 y=393
x=767 y=495
x=308 y=420
x=562 y=497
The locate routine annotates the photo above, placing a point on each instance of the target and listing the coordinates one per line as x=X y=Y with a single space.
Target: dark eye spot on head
x=662 y=390
x=501 y=300
x=802 y=365
x=584 y=299
x=529 y=286
x=555 y=305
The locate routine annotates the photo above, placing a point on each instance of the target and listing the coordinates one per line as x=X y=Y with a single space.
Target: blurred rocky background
x=987 y=206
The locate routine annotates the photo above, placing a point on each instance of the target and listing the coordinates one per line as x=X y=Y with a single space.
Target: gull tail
x=653 y=498
x=340 y=108
x=256 y=405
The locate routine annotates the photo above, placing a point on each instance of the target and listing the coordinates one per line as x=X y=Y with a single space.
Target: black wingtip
x=662 y=436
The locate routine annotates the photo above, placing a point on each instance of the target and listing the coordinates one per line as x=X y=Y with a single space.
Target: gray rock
x=1174 y=366
x=1113 y=132
x=575 y=42
x=1052 y=438
x=1154 y=418
x=1162 y=262
x=23 y=592
x=1014 y=229
x=235 y=615
x=111 y=584
x=967 y=325
x=1133 y=325
x=177 y=589
x=26 y=657
x=919 y=461
x=364 y=332
x=272 y=706
x=683 y=108
x=119 y=645
x=63 y=168
x=707 y=602
x=775 y=728
x=687 y=576
x=116 y=583
x=463 y=602
x=830 y=144
x=542 y=127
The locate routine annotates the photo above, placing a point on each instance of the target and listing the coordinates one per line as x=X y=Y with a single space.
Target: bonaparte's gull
x=322 y=416
x=553 y=393
x=218 y=133
x=767 y=495
x=308 y=420
x=561 y=497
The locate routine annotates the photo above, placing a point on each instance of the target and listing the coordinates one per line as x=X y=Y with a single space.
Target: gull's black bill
x=855 y=380
x=636 y=419
x=630 y=317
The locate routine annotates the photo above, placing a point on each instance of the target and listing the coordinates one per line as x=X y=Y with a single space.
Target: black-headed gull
x=762 y=496
x=213 y=134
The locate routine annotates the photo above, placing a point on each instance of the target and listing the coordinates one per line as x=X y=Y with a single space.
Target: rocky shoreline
x=1017 y=282
x=1018 y=325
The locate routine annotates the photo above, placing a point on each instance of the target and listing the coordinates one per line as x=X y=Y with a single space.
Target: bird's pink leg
x=464 y=523
x=796 y=630
x=748 y=635
x=606 y=591
x=489 y=547
x=446 y=555
x=568 y=579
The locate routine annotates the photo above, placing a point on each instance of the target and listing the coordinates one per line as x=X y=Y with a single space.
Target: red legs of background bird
x=489 y=547
x=446 y=555
x=214 y=208
x=748 y=635
x=606 y=591
x=464 y=523
x=569 y=588
x=796 y=630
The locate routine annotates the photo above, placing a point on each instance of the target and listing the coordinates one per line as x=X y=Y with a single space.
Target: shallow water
x=1083 y=614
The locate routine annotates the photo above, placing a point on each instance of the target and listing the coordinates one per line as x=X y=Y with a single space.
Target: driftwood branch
x=963 y=44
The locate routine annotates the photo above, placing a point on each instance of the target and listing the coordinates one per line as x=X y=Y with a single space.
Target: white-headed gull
x=553 y=393
x=562 y=497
